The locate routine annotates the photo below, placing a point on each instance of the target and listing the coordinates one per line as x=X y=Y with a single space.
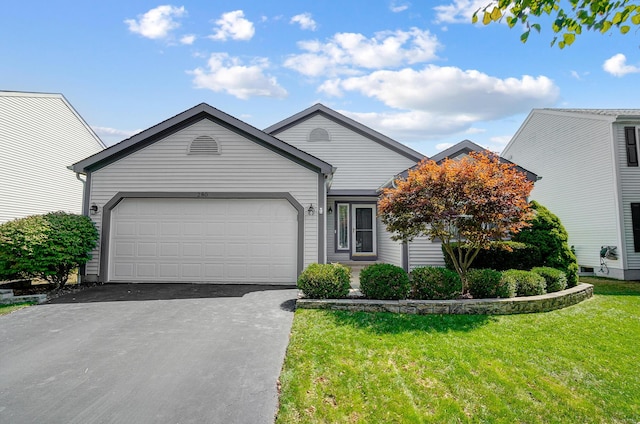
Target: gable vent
x=319 y=134
x=204 y=145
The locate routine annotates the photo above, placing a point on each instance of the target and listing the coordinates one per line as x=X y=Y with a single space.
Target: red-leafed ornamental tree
x=475 y=200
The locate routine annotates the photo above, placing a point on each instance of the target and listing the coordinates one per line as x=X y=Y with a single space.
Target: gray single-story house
x=205 y=197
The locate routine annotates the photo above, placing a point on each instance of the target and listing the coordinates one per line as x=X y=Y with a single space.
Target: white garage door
x=203 y=240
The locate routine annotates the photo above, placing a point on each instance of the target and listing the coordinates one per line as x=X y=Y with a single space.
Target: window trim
x=631 y=146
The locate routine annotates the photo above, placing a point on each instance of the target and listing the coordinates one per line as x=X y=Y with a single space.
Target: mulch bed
x=25 y=288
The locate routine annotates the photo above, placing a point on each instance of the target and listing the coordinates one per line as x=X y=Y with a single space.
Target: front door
x=363 y=218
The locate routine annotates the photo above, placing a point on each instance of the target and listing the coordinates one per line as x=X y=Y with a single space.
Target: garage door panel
x=170 y=228
x=170 y=271
x=146 y=270
x=147 y=249
x=216 y=240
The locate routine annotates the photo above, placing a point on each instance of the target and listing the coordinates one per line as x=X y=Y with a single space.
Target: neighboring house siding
x=574 y=156
x=389 y=251
x=424 y=252
x=361 y=162
x=242 y=166
x=630 y=192
x=40 y=135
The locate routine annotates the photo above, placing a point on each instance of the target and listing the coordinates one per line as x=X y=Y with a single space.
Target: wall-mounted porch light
x=311 y=211
x=93 y=210
x=330 y=210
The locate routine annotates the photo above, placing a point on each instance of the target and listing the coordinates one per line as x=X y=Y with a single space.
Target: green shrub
x=47 y=246
x=527 y=283
x=501 y=255
x=435 y=283
x=325 y=281
x=555 y=278
x=488 y=283
x=547 y=233
x=384 y=281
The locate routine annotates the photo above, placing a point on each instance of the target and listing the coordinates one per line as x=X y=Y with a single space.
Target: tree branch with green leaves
x=589 y=15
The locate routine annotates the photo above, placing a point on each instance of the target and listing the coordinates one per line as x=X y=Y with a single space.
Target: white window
x=342 y=226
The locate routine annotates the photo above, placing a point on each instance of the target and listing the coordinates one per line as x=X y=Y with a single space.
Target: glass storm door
x=363 y=218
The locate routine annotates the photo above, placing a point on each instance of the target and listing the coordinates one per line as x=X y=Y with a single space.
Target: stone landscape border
x=515 y=305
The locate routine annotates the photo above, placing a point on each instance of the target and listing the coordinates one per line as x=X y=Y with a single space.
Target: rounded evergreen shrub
x=384 y=281
x=555 y=278
x=551 y=238
x=46 y=246
x=527 y=283
x=435 y=283
x=488 y=283
x=325 y=281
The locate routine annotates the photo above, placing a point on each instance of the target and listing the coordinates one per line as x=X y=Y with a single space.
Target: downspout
x=82 y=269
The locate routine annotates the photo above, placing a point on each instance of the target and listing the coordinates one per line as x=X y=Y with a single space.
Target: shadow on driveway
x=150 y=291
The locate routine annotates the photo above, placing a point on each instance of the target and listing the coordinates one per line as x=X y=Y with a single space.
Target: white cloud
x=441 y=101
x=158 y=22
x=617 y=66
x=443 y=146
x=452 y=91
x=397 y=7
x=227 y=74
x=474 y=130
x=460 y=11
x=107 y=131
x=413 y=125
x=233 y=25
x=348 y=53
x=305 y=21
x=188 y=39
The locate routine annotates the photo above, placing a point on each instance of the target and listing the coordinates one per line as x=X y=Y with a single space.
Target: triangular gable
x=320 y=109
x=462 y=148
x=188 y=117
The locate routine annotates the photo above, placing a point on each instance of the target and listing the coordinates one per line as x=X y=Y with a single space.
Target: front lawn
x=7 y=309
x=576 y=365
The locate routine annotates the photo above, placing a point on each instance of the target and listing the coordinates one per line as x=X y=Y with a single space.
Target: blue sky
x=418 y=72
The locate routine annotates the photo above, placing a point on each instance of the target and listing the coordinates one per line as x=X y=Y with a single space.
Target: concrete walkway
x=146 y=354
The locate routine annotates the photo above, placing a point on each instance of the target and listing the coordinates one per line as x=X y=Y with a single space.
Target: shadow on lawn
x=389 y=323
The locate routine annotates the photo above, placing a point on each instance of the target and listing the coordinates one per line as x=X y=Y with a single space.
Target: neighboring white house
x=40 y=135
x=588 y=162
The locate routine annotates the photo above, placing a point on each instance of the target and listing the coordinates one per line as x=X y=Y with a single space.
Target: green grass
x=7 y=309
x=576 y=365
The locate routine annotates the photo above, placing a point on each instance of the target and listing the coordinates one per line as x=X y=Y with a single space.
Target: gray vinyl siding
x=361 y=162
x=242 y=166
x=389 y=251
x=424 y=252
x=575 y=158
x=630 y=192
x=40 y=135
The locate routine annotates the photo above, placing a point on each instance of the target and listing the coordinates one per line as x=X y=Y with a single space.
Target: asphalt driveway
x=151 y=353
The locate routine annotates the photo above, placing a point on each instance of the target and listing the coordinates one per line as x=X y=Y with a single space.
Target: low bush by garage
x=47 y=246
x=434 y=283
x=325 y=281
x=384 y=281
